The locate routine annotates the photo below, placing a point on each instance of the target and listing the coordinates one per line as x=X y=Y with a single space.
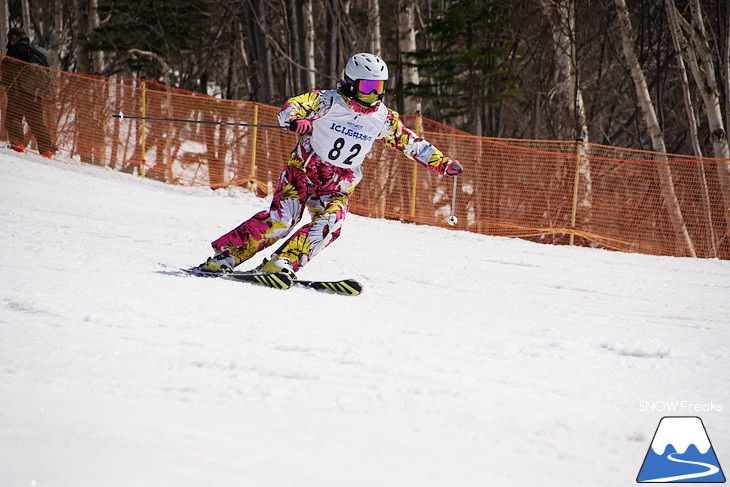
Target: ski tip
x=344 y=287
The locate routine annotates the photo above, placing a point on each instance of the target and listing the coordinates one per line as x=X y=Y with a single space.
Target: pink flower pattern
x=320 y=187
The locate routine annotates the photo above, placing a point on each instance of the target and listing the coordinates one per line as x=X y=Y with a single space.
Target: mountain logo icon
x=681 y=452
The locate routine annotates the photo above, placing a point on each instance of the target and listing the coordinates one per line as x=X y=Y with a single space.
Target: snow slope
x=469 y=360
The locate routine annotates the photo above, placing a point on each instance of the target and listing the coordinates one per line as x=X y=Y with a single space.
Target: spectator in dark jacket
x=25 y=100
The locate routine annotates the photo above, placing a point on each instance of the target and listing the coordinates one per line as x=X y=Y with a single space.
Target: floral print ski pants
x=316 y=185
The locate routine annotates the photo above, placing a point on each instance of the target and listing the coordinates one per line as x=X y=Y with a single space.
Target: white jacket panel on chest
x=342 y=137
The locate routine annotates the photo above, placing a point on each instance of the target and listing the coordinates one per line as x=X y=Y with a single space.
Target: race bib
x=342 y=137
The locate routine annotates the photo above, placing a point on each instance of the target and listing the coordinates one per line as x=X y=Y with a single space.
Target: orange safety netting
x=547 y=191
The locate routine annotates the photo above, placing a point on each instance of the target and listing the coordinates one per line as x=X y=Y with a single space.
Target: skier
x=337 y=128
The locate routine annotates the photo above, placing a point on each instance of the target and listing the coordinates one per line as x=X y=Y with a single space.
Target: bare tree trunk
x=97 y=56
x=294 y=46
x=669 y=194
x=56 y=36
x=310 y=82
x=407 y=45
x=296 y=42
x=4 y=23
x=711 y=97
x=245 y=79
x=263 y=53
x=680 y=46
x=572 y=121
x=710 y=93
x=332 y=40
x=560 y=14
x=679 y=42
x=80 y=27
x=374 y=27
x=25 y=6
x=703 y=71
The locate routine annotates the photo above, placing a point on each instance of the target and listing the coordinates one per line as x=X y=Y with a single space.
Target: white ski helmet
x=364 y=79
x=366 y=66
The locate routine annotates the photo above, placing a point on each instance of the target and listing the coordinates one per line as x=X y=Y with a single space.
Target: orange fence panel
x=548 y=191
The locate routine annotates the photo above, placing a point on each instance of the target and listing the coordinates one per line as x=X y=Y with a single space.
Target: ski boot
x=277 y=264
x=221 y=263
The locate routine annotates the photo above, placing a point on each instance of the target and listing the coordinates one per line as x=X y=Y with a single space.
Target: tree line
x=551 y=69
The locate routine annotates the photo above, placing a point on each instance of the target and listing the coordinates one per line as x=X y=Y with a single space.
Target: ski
x=282 y=280
x=275 y=280
x=345 y=287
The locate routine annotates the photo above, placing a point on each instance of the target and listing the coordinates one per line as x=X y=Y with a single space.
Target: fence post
x=252 y=184
x=142 y=169
x=576 y=184
x=414 y=177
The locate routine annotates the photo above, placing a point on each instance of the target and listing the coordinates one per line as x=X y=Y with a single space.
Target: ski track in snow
x=468 y=360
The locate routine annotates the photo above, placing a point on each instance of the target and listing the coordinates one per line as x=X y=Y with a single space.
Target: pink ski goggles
x=368 y=86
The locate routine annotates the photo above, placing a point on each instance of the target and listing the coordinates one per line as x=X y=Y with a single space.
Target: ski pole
x=122 y=116
x=452 y=219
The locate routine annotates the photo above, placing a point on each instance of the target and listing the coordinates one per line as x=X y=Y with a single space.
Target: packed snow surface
x=468 y=361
